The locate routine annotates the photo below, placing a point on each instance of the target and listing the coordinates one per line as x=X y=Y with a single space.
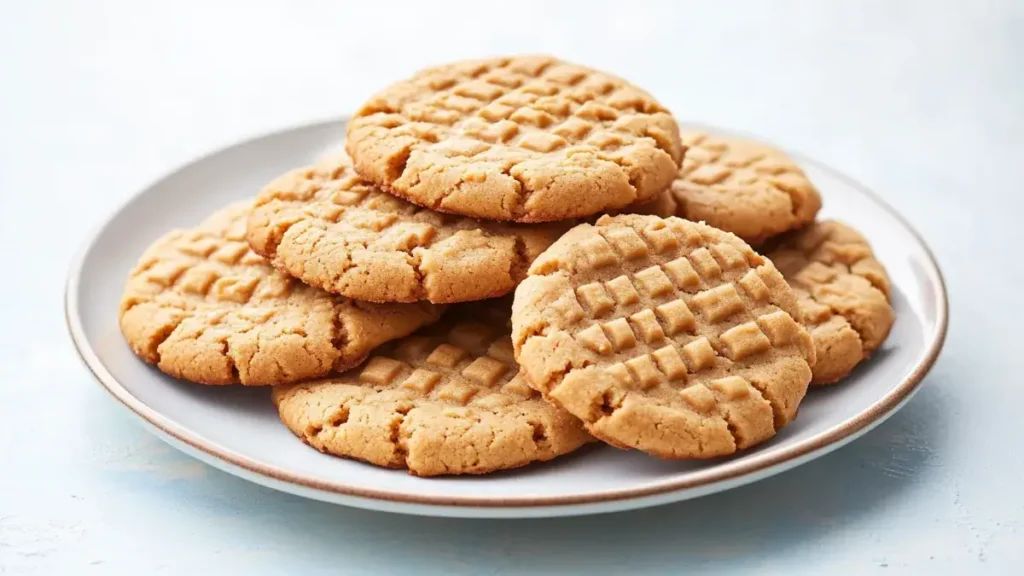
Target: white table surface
x=924 y=102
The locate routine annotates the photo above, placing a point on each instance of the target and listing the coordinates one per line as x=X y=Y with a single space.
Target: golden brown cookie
x=326 y=226
x=744 y=187
x=448 y=400
x=843 y=294
x=204 y=307
x=664 y=335
x=526 y=139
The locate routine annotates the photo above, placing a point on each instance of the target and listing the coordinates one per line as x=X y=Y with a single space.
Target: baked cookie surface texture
x=663 y=335
x=527 y=139
x=327 y=227
x=843 y=294
x=744 y=187
x=202 y=306
x=448 y=400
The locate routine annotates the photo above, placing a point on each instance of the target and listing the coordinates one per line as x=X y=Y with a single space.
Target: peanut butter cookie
x=663 y=335
x=526 y=139
x=204 y=307
x=326 y=226
x=447 y=400
x=744 y=187
x=843 y=294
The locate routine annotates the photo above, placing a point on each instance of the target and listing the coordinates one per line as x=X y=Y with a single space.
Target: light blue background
x=922 y=101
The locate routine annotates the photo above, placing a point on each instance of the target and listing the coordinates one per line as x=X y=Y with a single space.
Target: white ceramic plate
x=237 y=430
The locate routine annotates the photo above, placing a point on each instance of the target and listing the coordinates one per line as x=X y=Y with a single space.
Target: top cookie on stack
x=524 y=139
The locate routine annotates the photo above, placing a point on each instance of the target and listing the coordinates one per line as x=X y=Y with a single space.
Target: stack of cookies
x=518 y=256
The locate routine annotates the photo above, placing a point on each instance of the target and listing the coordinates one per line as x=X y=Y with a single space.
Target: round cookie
x=204 y=307
x=448 y=400
x=744 y=187
x=326 y=226
x=526 y=139
x=843 y=294
x=663 y=335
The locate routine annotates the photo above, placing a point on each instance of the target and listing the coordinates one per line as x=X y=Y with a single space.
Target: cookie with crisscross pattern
x=449 y=399
x=527 y=139
x=331 y=229
x=664 y=335
x=843 y=293
x=748 y=188
x=204 y=307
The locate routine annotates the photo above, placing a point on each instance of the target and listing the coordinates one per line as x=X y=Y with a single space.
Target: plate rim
x=758 y=466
